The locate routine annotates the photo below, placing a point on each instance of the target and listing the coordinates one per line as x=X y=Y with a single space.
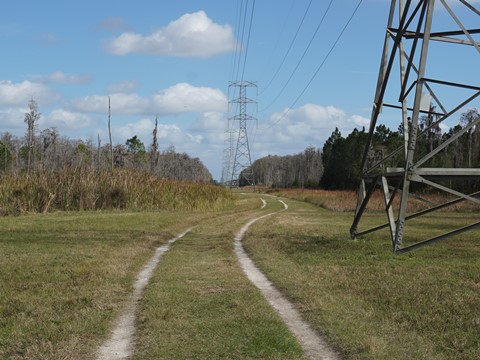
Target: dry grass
x=200 y=305
x=88 y=189
x=369 y=304
x=345 y=201
x=66 y=275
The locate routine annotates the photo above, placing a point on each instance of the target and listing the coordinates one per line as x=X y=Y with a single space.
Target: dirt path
x=312 y=344
x=119 y=346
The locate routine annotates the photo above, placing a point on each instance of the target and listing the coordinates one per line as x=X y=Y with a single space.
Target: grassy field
x=200 y=305
x=65 y=276
x=368 y=303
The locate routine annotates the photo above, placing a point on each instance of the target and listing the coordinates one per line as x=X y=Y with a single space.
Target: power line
x=319 y=67
x=241 y=41
x=248 y=38
x=302 y=57
x=237 y=28
x=289 y=48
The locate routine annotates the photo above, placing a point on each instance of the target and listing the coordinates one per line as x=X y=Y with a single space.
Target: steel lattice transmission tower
x=421 y=90
x=242 y=163
x=228 y=152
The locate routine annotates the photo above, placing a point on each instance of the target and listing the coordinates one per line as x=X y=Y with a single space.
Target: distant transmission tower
x=416 y=92
x=242 y=163
x=228 y=152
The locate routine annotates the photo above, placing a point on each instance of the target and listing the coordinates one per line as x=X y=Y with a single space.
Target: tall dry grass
x=344 y=201
x=89 y=189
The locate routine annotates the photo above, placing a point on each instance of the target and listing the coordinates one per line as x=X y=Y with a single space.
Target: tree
x=5 y=155
x=30 y=119
x=136 y=151
x=135 y=145
x=154 y=148
x=467 y=118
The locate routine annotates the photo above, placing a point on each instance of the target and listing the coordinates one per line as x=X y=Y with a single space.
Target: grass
x=369 y=304
x=65 y=276
x=346 y=201
x=200 y=305
x=89 y=189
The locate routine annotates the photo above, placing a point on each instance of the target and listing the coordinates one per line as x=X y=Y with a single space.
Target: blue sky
x=174 y=59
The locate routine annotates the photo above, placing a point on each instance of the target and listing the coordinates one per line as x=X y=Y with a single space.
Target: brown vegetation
x=344 y=201
x=89 y=189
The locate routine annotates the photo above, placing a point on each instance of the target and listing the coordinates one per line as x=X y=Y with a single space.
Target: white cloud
x=177 y=99
x=210 y=122
x=66 y=120
x=21 y=93
x=166 y=133
x=292 y=130
x=120 y=104
x=126 y=86
x=184 y=97
x=13 y=118
x=59 y=77
x=192 y=35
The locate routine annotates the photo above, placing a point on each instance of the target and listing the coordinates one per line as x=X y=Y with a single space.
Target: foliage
x=5 y=156
x=342 y=159
x=342 y=156
x=300 y=170
x=53 y=152
x=84 y=188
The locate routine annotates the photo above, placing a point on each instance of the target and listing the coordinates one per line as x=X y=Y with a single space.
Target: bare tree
x=154 y=148
x=30 y=119
x=466 y=119
x=110 y=136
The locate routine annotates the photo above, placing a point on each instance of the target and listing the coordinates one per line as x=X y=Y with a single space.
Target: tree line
x=302 y=170
x=48 y=150
x=342 y=157
x=337 y=165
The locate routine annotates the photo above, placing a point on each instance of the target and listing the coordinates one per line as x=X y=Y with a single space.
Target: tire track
x=312 y=344
x=119 y=345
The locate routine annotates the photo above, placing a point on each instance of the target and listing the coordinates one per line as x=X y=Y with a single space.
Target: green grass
x=368 y=303
x=200 y=305
x=65 y=276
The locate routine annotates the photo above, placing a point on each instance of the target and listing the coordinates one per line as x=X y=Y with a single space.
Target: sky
x=173 y=60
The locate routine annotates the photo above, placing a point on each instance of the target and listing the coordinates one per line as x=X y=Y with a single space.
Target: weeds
x=344 y=201
x=88 y=189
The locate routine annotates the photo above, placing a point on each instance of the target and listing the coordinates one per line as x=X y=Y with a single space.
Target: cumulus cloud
x=13 y=118
x=303 y=120
x=20 y=93
x=211 y=126
x=59 y=77
x=192 y=35
x=120 y=103
x=166 y=133
x=292 y=130
x=64 y=119
x=177 y=99
x=184 y=97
